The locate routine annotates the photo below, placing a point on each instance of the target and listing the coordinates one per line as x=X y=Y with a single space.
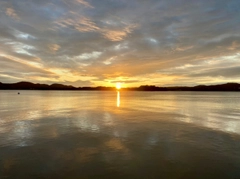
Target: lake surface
x=96 y=134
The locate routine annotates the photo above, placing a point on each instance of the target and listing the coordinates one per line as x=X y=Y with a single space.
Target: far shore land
x=32 y=86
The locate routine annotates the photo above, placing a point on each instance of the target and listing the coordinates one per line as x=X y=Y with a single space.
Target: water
x=94 y=134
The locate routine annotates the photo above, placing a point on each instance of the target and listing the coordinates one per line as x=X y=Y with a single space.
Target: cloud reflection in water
x=151 y=134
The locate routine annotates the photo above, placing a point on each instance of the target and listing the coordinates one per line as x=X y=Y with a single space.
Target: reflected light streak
x=118 y=99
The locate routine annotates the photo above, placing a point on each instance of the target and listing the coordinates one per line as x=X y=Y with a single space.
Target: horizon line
x=144 y=85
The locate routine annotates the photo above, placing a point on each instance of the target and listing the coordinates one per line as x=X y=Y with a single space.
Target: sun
x=118 y=86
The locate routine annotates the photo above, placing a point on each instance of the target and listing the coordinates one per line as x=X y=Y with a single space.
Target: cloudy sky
x=136 y=42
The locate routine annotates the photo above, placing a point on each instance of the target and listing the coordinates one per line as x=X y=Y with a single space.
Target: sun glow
x=118 y=86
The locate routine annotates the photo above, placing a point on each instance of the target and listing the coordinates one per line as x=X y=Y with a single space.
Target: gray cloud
x=231 y=72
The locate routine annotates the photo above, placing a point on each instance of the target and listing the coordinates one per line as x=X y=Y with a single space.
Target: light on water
x=118 y=99
x=96 y=134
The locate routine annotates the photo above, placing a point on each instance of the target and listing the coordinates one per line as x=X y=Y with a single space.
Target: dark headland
x=37 y=86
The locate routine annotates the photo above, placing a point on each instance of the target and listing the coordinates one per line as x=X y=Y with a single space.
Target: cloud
x=79 y=83
x=114 y=35
x=184 y=48
x=86 y=56
x=11 y=13
x=79 y=23
x=234 y=45
x=118 y=35
x=24 y=36
x=54 y=47
x=17 y=69
x=99 y=42
x=85 y=24
x=85 y=3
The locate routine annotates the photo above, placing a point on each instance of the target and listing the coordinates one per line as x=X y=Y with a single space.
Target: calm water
x=75 y=135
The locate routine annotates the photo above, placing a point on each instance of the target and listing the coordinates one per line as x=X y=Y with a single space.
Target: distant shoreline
x=32 y=86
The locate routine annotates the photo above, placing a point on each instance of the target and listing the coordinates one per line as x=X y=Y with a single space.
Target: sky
x=135 y=42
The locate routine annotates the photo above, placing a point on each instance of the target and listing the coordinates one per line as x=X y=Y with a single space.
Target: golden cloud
x=85 y=3
x=82 y=24
x=54 y=47
x=118 y=35
x=11 y=13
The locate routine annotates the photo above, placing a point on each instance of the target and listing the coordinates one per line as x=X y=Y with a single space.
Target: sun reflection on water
x=118 y=99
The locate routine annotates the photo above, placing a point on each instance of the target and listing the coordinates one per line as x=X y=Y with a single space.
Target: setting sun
x=118 y=86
